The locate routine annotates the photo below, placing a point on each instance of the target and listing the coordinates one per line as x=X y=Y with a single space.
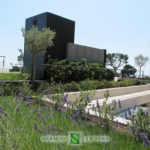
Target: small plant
x=140 y=126
x=107 y=112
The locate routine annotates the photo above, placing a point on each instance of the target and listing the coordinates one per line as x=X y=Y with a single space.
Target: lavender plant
x=107 y=111
x=140 y=126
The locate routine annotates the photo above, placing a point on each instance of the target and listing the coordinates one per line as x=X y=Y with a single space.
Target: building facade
x=76 y=52
x=64 y=47
x=64 y=29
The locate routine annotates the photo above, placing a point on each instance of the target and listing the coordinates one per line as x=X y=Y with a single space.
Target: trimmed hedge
x=67 y=71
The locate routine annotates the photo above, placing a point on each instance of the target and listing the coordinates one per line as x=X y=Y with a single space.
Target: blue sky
x=116 y=25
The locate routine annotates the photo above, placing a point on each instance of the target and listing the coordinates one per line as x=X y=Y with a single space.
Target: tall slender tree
x=37 y=41
x=141 y=61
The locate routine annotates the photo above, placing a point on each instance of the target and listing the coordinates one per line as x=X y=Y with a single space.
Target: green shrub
x=72 y=86
x=140 y=124
x=67 y=71
x=88 y=84
x=8 y=88
x=15 y=69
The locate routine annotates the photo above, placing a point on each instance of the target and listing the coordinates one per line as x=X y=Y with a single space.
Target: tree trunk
x=140 y=72
x=115 y=69
x=33 y=68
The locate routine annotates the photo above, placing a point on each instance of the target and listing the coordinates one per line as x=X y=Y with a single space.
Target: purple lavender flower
x=119 y=103
x=28 y=98
x=129 y=111
x=88 y=98
x=46 y=92
x=144 y=139
x=103 y=125
x=20 y=94
x=135 y=107
x=76 y=115
x=1 y=110
x=35 y=126
x=65 y=98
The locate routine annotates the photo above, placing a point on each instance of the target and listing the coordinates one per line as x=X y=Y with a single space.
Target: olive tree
x=37 y=41
x=140 y=61
x=116 y=60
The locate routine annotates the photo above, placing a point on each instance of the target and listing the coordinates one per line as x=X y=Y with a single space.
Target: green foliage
x=21 y=55
x=128 y=71
x=7 y=89
x=37 y=42
x=116 y=60
x=106 y=113
x=24 y=125
x=86 y=85
x=13 y=76
x=66 y=71
x=140 y=123
x=146 y=79
x=72 y=86
x=89 y=84
x=15 y=69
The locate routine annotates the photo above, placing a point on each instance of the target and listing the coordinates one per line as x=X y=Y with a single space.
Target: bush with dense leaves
x=67 y=71
x=128 y=71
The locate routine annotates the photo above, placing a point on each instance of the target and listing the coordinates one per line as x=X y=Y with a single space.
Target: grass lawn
x=12 y=76
x=21 y=128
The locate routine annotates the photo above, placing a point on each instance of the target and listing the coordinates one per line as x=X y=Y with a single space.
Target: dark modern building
x=64 y=29
x=76 y=52
x=64 y=47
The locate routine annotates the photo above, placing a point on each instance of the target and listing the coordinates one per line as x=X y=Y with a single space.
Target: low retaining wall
x=112 y=91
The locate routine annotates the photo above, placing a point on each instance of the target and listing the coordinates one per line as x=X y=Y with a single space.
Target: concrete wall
x=112 y=91
x=76 y=52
